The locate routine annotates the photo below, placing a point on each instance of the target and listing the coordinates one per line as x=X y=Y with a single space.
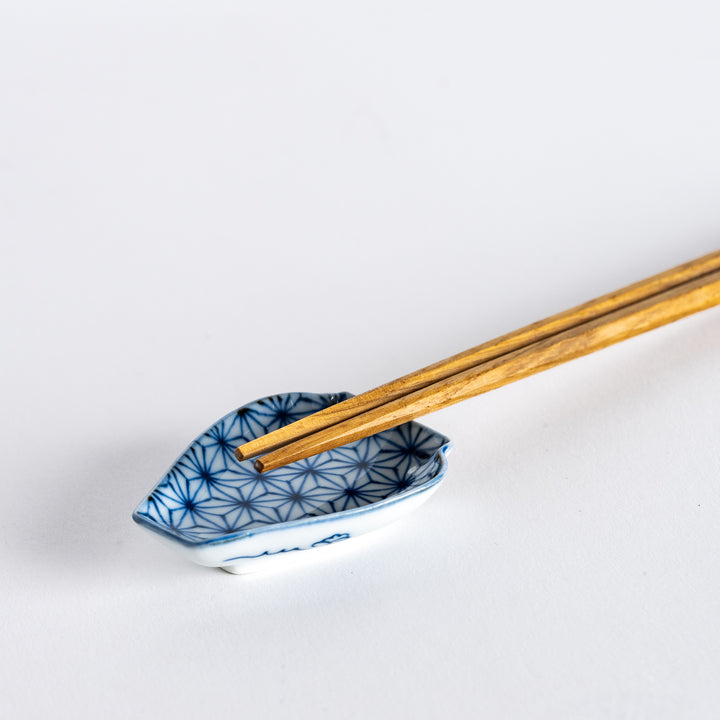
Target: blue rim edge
x=441 y=454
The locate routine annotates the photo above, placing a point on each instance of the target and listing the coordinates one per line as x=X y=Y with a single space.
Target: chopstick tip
x=259 y=466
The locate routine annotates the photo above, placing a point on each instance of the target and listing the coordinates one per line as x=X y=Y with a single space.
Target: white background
x=205 y=203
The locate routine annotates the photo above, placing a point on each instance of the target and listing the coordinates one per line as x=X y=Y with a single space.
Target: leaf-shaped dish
x=223 y=513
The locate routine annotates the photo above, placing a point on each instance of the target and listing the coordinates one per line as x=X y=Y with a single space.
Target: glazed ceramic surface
x=223 y=513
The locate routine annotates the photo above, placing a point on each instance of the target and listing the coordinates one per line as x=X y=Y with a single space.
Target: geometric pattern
x=208 y=495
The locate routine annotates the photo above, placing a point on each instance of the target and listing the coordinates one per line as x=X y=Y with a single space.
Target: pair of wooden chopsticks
x=648 y=304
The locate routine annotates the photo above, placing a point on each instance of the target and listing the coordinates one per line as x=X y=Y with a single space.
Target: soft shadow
x=84 y=525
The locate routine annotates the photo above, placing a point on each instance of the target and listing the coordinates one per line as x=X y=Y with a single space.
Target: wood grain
x=481 y=353
x=640 y=317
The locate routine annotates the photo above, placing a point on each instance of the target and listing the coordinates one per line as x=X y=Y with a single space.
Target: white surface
x=204 y=203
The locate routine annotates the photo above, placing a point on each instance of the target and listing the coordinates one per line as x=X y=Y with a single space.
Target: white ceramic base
x=330 y=546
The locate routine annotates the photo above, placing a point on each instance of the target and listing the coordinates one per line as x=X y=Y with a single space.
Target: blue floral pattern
x=208 y=495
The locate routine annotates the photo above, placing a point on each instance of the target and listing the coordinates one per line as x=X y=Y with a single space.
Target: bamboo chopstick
x=639 y=317
x=479 y=354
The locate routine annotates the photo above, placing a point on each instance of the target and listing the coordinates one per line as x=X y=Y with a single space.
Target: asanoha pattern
x=208 y=494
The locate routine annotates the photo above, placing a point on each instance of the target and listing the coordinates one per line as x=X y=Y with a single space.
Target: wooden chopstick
x=479 y=354
x=639 y=317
